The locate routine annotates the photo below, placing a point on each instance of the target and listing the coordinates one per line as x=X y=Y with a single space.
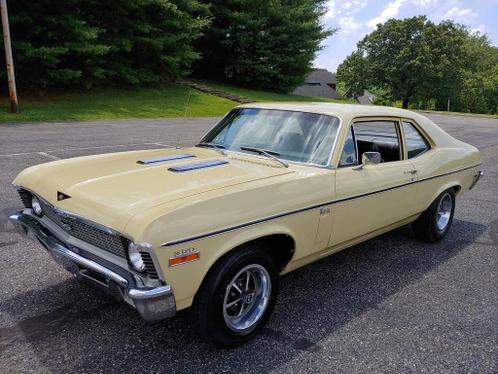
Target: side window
x=348 y=156
x=378 y=136
x=415 y=142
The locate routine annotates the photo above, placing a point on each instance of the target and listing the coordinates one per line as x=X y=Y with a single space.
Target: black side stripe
x=232 y=228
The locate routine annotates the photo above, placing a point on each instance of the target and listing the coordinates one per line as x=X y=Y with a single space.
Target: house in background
x=367 y=98
x=320 y=82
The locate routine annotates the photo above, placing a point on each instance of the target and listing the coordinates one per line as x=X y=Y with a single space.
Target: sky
x=357 y=18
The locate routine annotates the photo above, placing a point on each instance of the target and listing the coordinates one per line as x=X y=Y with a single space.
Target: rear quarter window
x=416 y=144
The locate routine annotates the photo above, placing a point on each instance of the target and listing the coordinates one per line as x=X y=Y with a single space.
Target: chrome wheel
x=246 y=298
x=444 y=209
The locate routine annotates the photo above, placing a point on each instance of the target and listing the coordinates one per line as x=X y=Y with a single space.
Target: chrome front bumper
x=152 y=303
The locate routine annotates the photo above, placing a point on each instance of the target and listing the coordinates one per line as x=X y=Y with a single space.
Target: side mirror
x=369 y=158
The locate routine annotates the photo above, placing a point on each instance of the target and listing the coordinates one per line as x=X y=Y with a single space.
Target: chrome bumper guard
x=477 y=176
x=152 y=303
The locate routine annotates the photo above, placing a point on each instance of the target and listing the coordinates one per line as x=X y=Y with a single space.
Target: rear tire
x=236 y=298
x=435 y=222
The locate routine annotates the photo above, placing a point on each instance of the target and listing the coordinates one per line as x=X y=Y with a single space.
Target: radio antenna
x=184 y=116
x=188 y=102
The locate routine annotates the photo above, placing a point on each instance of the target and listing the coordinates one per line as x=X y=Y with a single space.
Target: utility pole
x=448 y=107
x=14 y=105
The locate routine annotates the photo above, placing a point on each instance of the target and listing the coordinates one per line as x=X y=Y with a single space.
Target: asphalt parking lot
x=391 y=304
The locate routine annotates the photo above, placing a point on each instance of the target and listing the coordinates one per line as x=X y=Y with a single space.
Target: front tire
x=236 y=298
x=435 y=222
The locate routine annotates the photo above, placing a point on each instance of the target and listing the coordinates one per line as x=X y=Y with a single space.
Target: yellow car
x=270 y=188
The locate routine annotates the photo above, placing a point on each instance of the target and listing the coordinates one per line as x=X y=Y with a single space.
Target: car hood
x=111 y=188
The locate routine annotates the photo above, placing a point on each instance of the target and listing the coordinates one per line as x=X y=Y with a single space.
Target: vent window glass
x=348 y=156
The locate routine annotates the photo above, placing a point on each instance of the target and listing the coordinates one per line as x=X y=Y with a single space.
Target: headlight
x=134 y=255
x=35 y=204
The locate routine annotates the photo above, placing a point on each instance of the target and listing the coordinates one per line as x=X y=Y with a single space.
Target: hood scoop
x=158 y=160
x=197 y=165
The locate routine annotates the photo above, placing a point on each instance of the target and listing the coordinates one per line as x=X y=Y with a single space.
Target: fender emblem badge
x=183 y=256
x=62 y=196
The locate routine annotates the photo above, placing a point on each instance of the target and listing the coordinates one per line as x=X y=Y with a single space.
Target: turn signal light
x=182 y=260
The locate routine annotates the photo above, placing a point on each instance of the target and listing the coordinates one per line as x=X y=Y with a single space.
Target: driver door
x=373 y=196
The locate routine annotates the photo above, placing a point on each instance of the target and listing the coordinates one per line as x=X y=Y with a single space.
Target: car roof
x=345 y=111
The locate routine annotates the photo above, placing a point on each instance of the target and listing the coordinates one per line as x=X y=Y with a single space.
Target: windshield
x=288 y=135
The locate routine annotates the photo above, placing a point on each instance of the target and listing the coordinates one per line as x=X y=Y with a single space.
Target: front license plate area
x=31 y=234
x=65 y=263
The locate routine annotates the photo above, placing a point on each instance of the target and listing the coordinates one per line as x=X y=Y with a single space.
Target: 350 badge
x=184 y=256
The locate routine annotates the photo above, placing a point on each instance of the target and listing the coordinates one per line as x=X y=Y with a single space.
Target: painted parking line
x=83 y=148
x=49 y=155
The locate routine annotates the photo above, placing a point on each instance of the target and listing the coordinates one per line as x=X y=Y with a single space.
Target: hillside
x=165 y=101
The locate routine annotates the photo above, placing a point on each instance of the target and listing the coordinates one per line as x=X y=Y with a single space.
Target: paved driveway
x=391 y=304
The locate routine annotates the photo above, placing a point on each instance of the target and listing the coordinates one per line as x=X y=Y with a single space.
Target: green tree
x=479 y=89
x=450 y=61
x=80 y=43
x=149 y=40
x=261 y=43
x=424 y=64
x=53 y=46
x=353 y=73
x=408 y=58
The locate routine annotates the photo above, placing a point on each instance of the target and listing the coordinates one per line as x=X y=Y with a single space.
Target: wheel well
x=457 y=189
x=279 y=246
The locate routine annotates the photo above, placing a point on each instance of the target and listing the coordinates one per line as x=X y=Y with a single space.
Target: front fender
x=187 y=278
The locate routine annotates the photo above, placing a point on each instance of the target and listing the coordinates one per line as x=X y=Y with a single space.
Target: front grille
x=79 y=229
x=113 y=243
x=150 y=269
x=25 y=197
x=88 y=233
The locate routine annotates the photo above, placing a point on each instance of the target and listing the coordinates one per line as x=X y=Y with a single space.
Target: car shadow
x=88 y=331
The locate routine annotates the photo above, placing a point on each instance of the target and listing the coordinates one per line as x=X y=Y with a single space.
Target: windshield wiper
x=264 y=152
x=220 y=148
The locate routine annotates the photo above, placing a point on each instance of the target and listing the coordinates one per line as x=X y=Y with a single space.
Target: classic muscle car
x=270 y=188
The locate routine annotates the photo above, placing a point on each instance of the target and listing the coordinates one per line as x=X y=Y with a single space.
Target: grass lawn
x=258 y=95
x=167 y=101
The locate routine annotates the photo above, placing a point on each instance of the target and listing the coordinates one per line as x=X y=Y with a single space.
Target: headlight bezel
x=36 y=206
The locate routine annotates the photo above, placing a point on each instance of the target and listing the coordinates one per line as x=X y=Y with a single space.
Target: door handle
x=411 y=172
